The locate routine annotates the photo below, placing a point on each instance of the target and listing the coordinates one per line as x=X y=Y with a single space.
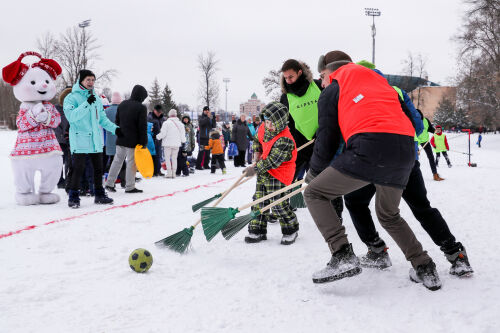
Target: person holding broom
x=276 y=153
x=360 y=106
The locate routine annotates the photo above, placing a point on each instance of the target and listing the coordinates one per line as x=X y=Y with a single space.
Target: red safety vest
x=368 y=104
x=285 y=172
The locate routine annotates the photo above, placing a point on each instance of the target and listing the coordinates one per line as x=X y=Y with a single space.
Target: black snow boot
x=255 y=236
x=427 y=275
x=101 y=197
x=343 y=263
x=459 y=261
x=74 y=199
x=377 y=255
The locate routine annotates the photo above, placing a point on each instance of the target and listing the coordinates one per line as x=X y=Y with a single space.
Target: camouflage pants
x=267 y=184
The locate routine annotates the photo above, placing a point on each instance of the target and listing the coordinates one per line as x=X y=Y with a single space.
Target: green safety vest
x=304 y=110
x=439 y=142
x=400 y=93
x=424 y=136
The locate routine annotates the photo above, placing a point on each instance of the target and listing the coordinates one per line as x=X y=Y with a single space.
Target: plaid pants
x=267 y=184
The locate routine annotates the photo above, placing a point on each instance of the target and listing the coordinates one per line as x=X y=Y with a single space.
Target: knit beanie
x=116 y=98
x=333 y=60
x=172 y=113
x=83 y=74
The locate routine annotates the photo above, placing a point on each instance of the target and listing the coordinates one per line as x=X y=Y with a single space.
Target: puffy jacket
x=85 y=136
x=215 y=144
x=172 y=133
x=132 y=119
x=151 y=142
x=111 y=137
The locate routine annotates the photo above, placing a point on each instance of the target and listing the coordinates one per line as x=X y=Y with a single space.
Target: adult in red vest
x=360 y=106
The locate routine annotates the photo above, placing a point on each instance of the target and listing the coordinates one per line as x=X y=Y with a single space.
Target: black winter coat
x=379 y=158
x=241 y=135
x=157 y=123
x=206 y=124
x=62 y=131
x=131 y=116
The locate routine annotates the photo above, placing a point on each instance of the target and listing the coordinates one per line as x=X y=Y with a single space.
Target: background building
x=252 y=107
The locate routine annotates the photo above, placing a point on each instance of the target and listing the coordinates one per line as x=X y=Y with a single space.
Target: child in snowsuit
x=276 y=153
x=440 y=145
x=215 y=144
x=479 y=139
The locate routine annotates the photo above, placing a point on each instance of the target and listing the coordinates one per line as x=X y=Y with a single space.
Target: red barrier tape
x=31 y=227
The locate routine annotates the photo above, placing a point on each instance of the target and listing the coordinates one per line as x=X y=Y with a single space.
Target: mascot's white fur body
x=36 y=147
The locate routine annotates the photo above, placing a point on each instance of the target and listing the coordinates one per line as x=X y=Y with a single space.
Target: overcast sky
x=149 y=38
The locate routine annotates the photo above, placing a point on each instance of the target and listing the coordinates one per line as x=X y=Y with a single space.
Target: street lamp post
x=373 y=12
x=83 y=25
x=226 y=81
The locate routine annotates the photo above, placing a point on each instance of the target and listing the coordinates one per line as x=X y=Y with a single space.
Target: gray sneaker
x=343 y=263
x=427 y=275
x=376 y=259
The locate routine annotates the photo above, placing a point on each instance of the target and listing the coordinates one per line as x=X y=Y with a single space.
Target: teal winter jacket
x=85 y=135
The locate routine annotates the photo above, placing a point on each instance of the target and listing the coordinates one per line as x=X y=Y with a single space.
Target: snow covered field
x=73 y=275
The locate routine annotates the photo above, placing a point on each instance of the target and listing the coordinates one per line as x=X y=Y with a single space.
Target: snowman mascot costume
x=36 y=147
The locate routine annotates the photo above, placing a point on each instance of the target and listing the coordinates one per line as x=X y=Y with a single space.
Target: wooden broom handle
x=275 y=193
x=274 y=203
x=238 y=182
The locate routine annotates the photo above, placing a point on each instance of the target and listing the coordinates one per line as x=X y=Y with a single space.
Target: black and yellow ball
x=140 y=260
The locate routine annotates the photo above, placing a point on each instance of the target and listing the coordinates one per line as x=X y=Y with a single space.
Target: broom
x=213 y=219
x=234 y=226
x=297 y=203
x=179 y=242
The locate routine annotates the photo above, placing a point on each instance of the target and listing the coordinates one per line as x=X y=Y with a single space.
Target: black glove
x=91 y=99
x=311 y=174
x=190 y=153
x=250 y=171
x=118 y=132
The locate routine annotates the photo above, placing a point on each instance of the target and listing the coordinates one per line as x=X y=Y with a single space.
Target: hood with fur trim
x=306 y=74
x=63 y=95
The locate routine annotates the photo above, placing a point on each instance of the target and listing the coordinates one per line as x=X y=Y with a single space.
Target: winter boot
x=437 y=177
x=110 y=188
x=74 y=199
x=255 y=237
x=343 y=263
x=101 y=198
x=289 y=239
x=134 y=190
x=377 y=256
x=459 y=262
x=427 y=275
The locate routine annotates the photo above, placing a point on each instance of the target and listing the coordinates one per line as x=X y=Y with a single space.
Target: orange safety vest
x=368 y=104
x=285 y=172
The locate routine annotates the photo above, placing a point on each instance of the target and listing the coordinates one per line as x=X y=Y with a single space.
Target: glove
x=37 y=109
x=190 y=154
x=42 y=117
x=119 y=133
x=250 y=171
x=311 y=174
x=91 y=99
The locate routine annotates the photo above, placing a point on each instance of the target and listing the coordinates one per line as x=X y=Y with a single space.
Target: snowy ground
x=73 y=275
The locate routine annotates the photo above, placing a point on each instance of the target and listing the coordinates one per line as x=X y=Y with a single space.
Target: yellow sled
x=144 y=161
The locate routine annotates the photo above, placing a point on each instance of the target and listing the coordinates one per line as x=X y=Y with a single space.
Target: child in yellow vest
x=440 y=145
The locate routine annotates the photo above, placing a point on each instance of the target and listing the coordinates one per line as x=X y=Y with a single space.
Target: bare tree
x=479 y=60
x=209 y=88
x=415 y=67
x=75 y=50
x=272 y=85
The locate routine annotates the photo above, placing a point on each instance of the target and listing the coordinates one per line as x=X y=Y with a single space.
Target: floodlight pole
x=373 y=12
x=226 y=81
x=83 y=25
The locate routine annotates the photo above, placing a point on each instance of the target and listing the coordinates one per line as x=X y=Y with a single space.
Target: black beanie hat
x=83 y=74
x=206 y=108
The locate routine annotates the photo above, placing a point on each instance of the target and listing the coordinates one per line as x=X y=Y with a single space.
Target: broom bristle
x=178 y=242
x=203 y=203
x=213 y=219
x=235 y=226
x=297 y=201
